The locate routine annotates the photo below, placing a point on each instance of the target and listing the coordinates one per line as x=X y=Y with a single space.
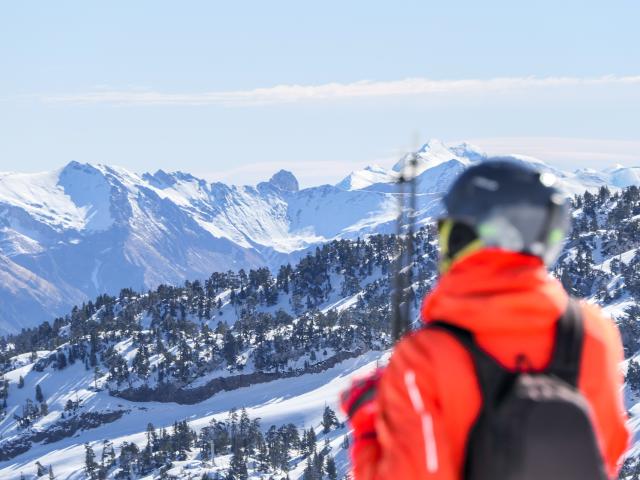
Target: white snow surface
x=300 y=400
x=371 y=175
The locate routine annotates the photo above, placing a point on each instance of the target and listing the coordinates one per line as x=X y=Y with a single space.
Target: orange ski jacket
x=428 y=397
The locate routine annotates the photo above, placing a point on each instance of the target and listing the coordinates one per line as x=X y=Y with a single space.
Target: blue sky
x=236 y=90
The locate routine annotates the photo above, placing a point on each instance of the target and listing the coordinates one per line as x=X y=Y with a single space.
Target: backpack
x=532 y=425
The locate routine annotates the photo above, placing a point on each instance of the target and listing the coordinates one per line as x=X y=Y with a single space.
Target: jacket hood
x=495 y=290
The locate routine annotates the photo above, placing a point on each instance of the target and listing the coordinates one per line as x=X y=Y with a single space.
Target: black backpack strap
x=492 y=376
x=565 y=360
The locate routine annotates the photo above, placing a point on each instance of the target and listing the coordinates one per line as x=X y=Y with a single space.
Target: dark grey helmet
x=510 y=205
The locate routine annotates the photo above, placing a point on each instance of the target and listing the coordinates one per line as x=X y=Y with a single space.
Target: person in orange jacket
x=413 y=420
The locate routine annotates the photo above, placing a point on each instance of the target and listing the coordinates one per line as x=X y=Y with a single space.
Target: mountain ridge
x=84 y=229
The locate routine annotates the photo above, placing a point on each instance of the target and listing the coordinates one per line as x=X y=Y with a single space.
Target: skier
x=509 y=378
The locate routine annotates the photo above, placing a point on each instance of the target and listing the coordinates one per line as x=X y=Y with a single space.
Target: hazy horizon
x=230 y=91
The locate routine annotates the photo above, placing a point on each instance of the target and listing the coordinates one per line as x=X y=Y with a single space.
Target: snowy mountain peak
x=625 y=177
x=376 y=169
x=90 y=191
x=63 y=199
x=285 y=181
x=164 y=180
x=469 y=151
x=434 y=153
x=160 y=179
x=433 y=146
x=75 y=165
x=614 y=167
x=361 y=179
x=435 y=156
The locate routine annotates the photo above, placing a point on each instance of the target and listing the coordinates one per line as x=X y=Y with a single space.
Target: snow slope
x=299 y=400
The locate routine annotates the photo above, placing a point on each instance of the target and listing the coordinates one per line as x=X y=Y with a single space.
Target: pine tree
x=311 y=441
x=238 y=466
x=330 y=469
x=96 y=376
x=329 y=419
x=318 y=465
x=21 y=382
x=152 y=437
x=263 y=458
x=40 y=470
x=90 y=464
x=108 y=458
x=39 y=395
x=61 y=360
x=244 y=427
x=311 y=471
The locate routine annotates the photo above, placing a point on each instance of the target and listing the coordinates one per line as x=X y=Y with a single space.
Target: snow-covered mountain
x=82 y=230
x=439 y=163
x=139 y=385
x=68 y=235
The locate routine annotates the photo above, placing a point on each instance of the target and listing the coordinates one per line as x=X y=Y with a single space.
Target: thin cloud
x=286 y=94
x=570 y=153
x=308 y=172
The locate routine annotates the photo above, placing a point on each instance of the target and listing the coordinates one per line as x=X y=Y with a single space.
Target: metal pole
x=396 y=301
x=411 y=219
x=401 y=305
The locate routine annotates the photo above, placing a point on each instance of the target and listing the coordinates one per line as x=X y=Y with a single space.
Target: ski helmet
x=504 y=203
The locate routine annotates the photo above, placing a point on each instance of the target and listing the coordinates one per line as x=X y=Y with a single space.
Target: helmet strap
x=457 y=241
